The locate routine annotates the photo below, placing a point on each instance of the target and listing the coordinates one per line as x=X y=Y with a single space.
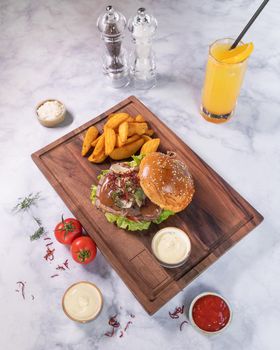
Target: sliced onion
x=126 y=204
x=121 y=168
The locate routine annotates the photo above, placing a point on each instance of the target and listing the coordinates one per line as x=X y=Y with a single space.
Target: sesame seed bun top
x=166 y=181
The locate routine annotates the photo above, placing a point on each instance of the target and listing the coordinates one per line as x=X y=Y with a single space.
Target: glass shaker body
x=112 y=25
x=142 y=59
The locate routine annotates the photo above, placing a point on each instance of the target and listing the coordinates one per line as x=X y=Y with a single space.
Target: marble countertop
x=52 y=49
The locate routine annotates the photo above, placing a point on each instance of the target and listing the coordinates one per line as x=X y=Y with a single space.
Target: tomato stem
x=67 y=227
x=83 y=255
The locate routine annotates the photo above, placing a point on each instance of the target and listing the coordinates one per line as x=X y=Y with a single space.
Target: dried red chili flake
x=110 y=334
x=66 y=264
x=121 y=335
x=52 y=276
x=60 y=267
x=181 y=325
x=22 y=286
x=47 y=238
x=127 y=325
x=47 y=245
x=178 y=310
x=49 y=254
x=113 y=322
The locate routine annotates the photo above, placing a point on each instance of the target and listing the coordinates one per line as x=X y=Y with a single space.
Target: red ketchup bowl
x=210 y=313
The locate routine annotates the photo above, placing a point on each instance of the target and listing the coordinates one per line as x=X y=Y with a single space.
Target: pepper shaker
x=142 y=60
x=112 y=24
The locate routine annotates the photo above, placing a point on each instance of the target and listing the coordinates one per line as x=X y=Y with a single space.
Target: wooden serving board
x=217 y=218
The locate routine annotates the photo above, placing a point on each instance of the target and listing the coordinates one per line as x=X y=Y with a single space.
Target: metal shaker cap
x=143 y=24
x=111 y=23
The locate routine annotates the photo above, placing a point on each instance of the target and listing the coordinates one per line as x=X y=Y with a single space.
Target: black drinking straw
x=248 y=25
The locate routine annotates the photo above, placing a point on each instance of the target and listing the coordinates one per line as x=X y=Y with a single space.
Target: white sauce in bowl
x=171 y=246
x=51 y=112
x=82 y=302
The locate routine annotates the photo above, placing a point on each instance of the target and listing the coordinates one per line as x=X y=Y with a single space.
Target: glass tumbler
x=222 y=84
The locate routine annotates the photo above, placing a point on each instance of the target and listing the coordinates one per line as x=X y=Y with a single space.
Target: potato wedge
x=139 y=119
x=93 y=144
x=150 y=146
x=123 y=132
x=146 y=138
x=90 y=136
x=100 y=146
x=98 y=158
x=137 y=128
x=118 y=141
x=149 y=132
x=130 y=119
x=129 y=140
x=132 y=139
x=114 y=121
x=127 y=150
x=110 y=140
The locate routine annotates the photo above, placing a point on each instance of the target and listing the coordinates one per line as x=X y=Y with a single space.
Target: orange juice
x=222 y=83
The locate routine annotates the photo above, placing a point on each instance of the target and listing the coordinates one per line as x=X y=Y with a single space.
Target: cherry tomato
x=68 y=230
x=83 y=250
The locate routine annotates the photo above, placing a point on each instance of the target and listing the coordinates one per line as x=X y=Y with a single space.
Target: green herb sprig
x=24 y=204
x=38 y=221
x=39 y=232
x=27 y=202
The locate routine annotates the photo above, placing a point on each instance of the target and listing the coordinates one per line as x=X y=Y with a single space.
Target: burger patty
x=147 y=212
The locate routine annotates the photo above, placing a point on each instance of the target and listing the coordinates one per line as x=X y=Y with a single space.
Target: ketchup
x=210 y=313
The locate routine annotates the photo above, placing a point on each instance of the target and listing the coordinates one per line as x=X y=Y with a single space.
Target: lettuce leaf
x=136 y=160
x=93 y=190
x=127 y=224
x=163 y=216
x=103 y=172
x=130 y=225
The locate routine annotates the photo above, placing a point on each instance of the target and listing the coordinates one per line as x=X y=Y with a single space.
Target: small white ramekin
x=164 y=263
x=78 y=320
x=202 y=330
x=51 y=123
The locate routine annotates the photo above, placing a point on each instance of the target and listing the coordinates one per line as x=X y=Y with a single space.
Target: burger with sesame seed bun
x=146 y=190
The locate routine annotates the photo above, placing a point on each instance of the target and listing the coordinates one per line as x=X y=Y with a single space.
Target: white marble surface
x=52 y=49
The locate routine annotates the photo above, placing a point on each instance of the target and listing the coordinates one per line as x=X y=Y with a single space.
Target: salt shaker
x=112 y=24
x=142 y=61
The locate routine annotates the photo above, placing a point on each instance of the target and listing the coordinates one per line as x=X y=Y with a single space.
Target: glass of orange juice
x=223 y=79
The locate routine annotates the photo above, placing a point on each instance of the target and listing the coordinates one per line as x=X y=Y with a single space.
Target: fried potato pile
x=122 y=137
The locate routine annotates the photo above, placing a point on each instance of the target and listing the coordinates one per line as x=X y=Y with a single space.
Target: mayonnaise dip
x=171 y=246
x=82 y=301
x=51 y=112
